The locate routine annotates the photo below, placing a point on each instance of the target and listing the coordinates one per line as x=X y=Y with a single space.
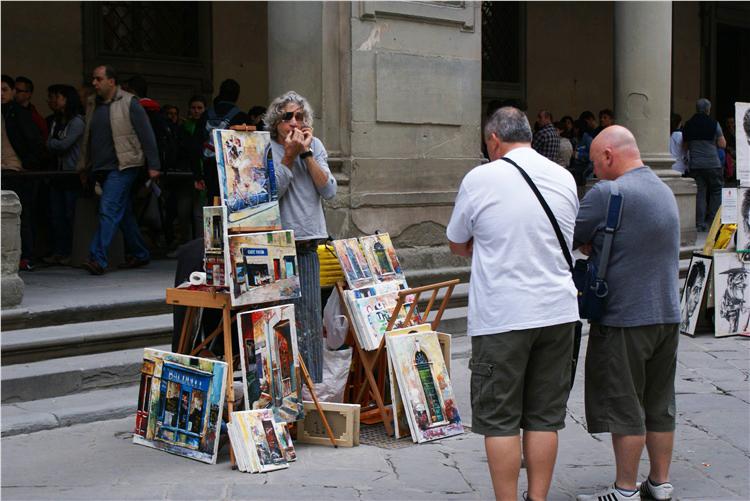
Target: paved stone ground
x=98 y=460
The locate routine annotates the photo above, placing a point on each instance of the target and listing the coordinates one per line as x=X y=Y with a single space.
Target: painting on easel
x=381 y=257
x=262 y=268
x=180 y=404
x=269 y=359
x=247 y=180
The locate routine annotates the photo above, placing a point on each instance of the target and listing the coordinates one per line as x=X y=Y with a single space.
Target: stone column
x=642 y=90
x=12 y=285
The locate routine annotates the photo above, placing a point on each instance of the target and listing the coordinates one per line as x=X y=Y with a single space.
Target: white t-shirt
x=519 y=276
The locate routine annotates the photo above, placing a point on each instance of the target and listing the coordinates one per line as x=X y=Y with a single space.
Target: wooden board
x=343 y=419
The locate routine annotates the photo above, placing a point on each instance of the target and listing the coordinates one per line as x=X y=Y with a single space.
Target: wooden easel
x=194 y=300
x=368 y=361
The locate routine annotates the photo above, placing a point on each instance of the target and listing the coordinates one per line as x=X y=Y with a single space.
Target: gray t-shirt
x=704 y=153
x=645 y=257
x=299 y=199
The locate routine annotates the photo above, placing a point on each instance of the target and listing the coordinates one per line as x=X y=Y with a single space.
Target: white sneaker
x=609 y=494
x=661 y=492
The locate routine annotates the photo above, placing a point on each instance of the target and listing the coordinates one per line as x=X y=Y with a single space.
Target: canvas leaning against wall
x=693 y=292
x=247 y=180
x=425 y=386
x=269 y=360
x=732 y=310
x=262 y=267
x=180 y=404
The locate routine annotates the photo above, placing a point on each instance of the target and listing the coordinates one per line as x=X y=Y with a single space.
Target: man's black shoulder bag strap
x=547 y=210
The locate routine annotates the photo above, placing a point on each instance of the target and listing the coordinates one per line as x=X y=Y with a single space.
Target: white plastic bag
x=335 y=373
x=334 y=322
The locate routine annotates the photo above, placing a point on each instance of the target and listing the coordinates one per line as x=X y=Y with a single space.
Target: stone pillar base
x=11 y=283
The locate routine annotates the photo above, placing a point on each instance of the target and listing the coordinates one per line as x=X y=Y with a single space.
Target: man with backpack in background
x=223 y=114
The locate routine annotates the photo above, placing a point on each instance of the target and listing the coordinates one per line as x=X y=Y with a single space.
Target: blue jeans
x=708 y=198
x=62 y=206
x=116 y=209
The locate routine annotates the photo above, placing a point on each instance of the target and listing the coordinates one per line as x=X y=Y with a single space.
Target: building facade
x=399 y=88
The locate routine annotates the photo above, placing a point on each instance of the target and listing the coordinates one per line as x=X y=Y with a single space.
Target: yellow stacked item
x=330 y=269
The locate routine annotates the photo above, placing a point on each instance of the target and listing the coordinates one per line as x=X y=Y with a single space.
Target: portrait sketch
x=743 y=222
x=732 y=311
x=742 y=121
x=693 y=292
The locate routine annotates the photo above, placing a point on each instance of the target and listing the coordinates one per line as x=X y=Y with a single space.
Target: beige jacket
x=127 y=145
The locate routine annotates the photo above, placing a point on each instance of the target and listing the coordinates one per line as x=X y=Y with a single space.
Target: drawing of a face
x=693 y=298
x=736 y=285
x=694 y=285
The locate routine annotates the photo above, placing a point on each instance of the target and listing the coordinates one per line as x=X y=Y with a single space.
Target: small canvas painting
x=693 y=292
x=247 y=180
x=262 y=268
x=381 y=257
x=742 y=135
x=353 y=262
x=269 y=359
x=180 y=404
x=732 y=311
x=425 y=385
x=213 y=229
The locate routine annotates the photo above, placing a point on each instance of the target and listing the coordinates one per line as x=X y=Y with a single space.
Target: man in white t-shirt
x=522 y=302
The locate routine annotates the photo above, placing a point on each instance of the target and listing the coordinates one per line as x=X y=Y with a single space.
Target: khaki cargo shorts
x=521 y=379
x=630 y=375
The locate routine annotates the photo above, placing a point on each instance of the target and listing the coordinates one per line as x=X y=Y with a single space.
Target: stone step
x=66 y=376
x=49 y=413
x=42 y=343
x=23 y=318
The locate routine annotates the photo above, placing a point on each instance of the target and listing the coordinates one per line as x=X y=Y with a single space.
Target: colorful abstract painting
x=262 y=267
x=247 y=180
x=180 y=404
x=269 y=359
x=425 y=385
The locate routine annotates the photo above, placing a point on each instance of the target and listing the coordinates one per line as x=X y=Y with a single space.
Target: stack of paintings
x=269 y=361
x=180 y=404
x=261 y=443
x=374 y=276
x=425 y=394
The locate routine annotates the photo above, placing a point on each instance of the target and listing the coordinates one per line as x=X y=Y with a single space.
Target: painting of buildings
x=269 y=359
x=381 y=257
x=262 y=267
x=247 y=181
x=425 y=385
x=180 y=404
x=353 y=262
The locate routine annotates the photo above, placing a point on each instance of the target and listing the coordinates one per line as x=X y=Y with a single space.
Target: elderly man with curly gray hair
x=303 y=179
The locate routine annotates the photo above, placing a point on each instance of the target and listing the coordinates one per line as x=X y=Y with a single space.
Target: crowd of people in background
x=701 y=149
x=50 y=147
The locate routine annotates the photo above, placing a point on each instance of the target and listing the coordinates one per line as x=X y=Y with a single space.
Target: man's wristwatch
x=306 y=154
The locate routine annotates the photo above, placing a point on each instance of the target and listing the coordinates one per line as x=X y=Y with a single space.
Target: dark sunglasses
x=298 y=116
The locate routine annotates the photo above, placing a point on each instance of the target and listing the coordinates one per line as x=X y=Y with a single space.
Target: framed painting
x=732 y=310
x=693 y=292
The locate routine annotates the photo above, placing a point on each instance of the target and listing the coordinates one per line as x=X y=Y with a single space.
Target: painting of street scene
x=247 y=181
x=353 y=263
x=381 y=257
x=180 y=404
x=262 y=267
x=269 y=359
x=425 y=386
